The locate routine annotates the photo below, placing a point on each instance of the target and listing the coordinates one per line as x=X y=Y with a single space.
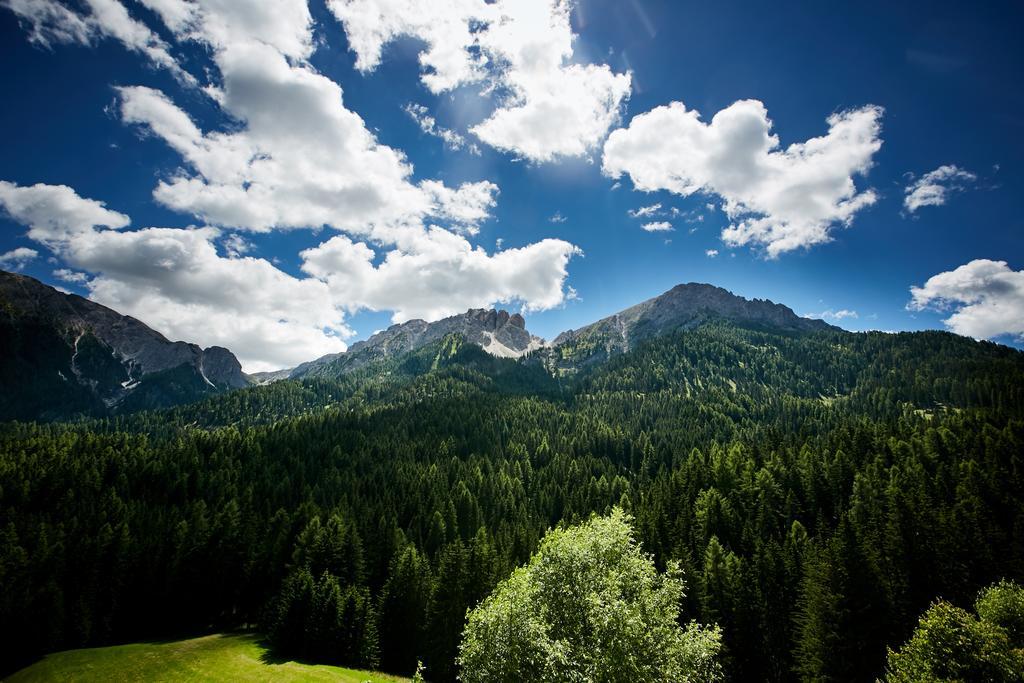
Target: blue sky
x=922 y=88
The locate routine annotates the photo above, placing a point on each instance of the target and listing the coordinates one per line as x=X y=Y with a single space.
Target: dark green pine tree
x=403 y=611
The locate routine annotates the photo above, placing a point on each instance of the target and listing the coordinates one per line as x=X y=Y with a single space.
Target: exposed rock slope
x=498 y=332
x=61 y=354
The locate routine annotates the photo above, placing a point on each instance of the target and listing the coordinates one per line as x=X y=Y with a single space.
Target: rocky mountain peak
x=493 y=319
x=498 y=332
x=685 y=306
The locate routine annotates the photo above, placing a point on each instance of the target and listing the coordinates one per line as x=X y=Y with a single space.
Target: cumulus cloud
x=711 y=253
x=934 y=187
x=300 y=158
x=284 y=25
x=445 y=276
x=550 y=107
x=557 y=218
x=16 y=259
x=779 y=199
x=174 y=280
x=54 y=213
x=49 y=22
x=67 y=275
x=428 y=124
x=658 y=226
x=986 y=299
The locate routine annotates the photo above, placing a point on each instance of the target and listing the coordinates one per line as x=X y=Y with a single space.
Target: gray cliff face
x=497 y=332
x=682 y=307
x=500 y=333
x=222 y=368
x=109 y=354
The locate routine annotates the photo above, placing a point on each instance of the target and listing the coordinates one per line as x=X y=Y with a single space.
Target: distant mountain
x=682 y=307
x=504 y=335
x=499 y=333
x=61 y=354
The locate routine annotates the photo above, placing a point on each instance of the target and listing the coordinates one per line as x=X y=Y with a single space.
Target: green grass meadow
x=211 y=658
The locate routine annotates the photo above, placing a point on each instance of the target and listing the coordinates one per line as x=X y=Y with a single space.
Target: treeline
x=819 y=491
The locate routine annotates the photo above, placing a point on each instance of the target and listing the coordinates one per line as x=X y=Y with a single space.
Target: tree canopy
x=588 y=606
x=951 y=644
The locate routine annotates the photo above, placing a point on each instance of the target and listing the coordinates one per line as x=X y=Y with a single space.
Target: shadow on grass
x=269 y=656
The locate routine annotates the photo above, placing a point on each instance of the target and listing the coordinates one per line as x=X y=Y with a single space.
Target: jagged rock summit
x=498 y=332
x=72 y=354
x=684 y=306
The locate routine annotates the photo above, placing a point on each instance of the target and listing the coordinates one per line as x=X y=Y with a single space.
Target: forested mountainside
x=819 y=488
x=62 y=356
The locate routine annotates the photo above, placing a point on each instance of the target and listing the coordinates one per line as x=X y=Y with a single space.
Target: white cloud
x=16 y=259
x=465 y=207
x=443 y=276
x=428 y=124
x=49 y=22
x=781 y=199
x=711 y=253
x=557 y=218
x=830 y=314
x=235 y=245
x=70 y=276
x=645 y=211
x=301 y=159
x=449 y=58
x=986 y=299
x=183 y=288
x=550 y=107
x=658 y=226
x=934 y=187
x=54 y=213
x=284 y=25
x=289 y=155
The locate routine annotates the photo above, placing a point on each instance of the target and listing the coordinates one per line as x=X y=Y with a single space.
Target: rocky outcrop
x=500 y=333
x=81 y=346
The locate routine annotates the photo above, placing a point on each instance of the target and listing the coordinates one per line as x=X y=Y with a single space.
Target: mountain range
x=62 y=355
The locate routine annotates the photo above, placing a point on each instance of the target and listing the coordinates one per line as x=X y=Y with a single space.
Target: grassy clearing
x=211 y=658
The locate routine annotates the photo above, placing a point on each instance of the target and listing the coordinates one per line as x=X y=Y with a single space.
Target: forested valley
x=818 y=492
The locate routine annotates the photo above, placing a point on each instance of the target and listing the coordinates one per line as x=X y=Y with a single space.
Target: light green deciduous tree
x=589 y=606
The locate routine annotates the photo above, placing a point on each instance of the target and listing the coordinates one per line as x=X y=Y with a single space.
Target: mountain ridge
x=504 y=334
x=685 y=306
x=79 y=353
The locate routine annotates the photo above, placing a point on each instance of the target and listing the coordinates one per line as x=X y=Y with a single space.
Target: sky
x=284 y=178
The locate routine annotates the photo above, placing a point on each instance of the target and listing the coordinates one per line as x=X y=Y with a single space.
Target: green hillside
x=211 y=658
